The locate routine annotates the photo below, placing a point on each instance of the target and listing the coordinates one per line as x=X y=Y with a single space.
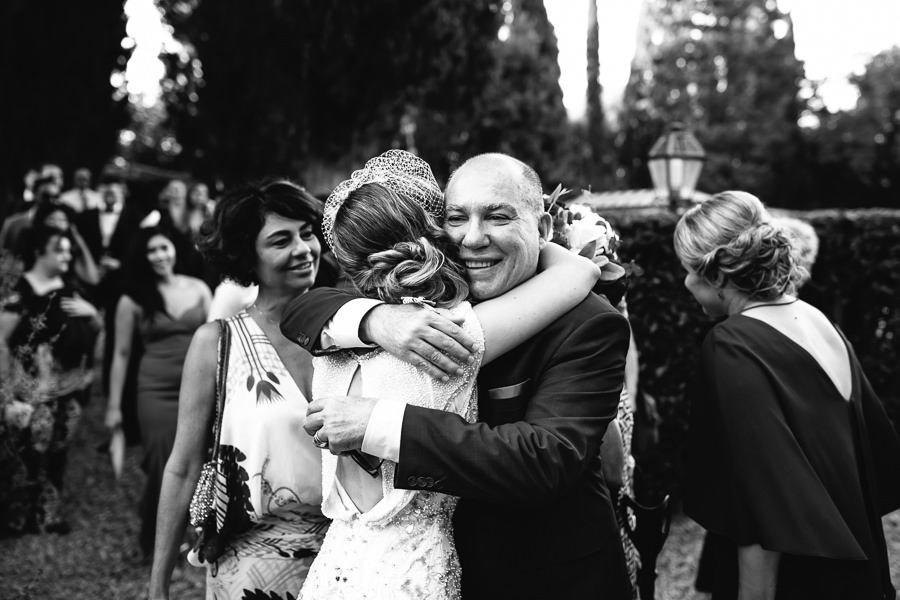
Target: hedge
x=855 y=282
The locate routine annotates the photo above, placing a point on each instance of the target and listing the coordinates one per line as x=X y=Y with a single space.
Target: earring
x=719 y=294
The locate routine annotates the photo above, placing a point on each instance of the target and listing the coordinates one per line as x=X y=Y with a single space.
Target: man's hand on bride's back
x=430 y=340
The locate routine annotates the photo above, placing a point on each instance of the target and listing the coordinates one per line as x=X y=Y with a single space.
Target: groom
x=535 y=519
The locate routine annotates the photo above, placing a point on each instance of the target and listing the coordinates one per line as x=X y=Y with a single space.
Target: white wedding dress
x=402 y=547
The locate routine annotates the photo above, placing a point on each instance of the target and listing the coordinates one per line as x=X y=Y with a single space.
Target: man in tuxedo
x=108 y=232
x=81 y=197
x=535 y=519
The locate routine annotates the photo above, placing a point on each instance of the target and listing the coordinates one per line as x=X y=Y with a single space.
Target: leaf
x=268 y=392
x=272 y=377
x=589 y=249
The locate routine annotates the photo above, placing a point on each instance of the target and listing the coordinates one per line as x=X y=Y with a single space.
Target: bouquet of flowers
x=581 y=230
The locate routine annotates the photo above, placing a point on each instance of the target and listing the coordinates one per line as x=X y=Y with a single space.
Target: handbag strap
x=224 y=346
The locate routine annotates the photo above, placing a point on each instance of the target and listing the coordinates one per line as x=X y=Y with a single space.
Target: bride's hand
x=430 y=340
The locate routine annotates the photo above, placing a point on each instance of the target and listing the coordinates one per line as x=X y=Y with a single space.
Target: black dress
x=777 y=457
x=51 y=372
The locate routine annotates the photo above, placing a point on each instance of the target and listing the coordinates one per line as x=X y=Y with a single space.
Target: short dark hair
x=228 y=239
x=34 y=242
x=42 y=211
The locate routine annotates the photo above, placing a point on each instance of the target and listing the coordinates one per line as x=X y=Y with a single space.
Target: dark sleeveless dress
x=166 y=341
x=777 y=457
x=51 y=371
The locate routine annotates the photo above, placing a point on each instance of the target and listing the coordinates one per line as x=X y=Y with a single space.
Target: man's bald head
x=507 y=176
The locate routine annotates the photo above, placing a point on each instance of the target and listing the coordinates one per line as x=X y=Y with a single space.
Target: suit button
x=421 y=481
x=438 y=485
x=429 y=482
x=411 y=481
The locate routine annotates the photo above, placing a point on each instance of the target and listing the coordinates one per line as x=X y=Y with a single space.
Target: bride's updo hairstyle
x=382 y=225
x=729 y=239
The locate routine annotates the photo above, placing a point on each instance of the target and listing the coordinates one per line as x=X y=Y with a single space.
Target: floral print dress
x=41 y=406
x=273 y=472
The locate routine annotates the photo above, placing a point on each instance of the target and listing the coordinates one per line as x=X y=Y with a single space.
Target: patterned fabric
x=40 y=406
x=274 y=475
x=625 y=418
x=402 y=548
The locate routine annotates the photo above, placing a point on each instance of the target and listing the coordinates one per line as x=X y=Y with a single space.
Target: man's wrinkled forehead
x=473 y=205
x=482 y=188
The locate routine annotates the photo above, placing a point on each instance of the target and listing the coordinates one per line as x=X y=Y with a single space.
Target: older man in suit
x=535 y=519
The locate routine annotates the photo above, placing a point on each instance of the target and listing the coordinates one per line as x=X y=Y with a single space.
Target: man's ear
x=545 y=226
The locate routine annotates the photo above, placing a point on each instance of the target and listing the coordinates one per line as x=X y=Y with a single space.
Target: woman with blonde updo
x=792 y=459
x=383 y=227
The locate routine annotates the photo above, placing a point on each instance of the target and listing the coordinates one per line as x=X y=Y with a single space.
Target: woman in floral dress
x=47 y=334
x=273 y=526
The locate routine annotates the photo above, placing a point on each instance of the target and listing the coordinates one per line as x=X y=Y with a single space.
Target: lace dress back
x=403 y=546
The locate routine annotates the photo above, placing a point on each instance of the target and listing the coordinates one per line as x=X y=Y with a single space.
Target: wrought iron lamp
x=675 y=162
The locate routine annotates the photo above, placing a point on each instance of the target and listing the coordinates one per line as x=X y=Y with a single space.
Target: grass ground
x=98 y=560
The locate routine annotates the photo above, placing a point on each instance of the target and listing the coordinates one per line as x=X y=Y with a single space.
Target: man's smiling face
x=496 y=229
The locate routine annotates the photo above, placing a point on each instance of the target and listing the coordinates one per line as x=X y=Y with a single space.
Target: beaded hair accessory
x=402 y=172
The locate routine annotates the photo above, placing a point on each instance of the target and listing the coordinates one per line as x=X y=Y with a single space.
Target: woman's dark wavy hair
x=390 y=247
x=141 y=280
x=34 y=242
x=46 y=209
x=228 y=239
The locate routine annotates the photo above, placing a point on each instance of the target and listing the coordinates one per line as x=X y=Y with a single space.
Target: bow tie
x=110 y=210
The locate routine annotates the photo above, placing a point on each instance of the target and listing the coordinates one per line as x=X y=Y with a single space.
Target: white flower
x=588 y=228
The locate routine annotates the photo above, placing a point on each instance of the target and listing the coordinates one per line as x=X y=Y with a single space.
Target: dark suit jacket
x=535 y=519
x=88 y=222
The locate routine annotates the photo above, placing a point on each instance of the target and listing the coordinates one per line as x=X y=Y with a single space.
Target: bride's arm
x=562 y=282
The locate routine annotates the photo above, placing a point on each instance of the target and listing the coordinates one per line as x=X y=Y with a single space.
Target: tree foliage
x=521 y=109
x=728 y=70
x=56 y=100
x=314 y=88
x=269 y=86
x=857 y=152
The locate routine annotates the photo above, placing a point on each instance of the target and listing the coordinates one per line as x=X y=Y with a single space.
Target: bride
x=384 y=227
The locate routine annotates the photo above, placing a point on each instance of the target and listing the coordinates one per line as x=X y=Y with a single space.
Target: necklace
x=264 y=315
x=765 y=304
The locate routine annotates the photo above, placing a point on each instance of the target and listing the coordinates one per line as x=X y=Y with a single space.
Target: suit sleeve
x=536 y=459
x=305 y=316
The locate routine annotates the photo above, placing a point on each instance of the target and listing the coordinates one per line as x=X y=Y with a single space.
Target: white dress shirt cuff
x=382 y=437
x=342 y=330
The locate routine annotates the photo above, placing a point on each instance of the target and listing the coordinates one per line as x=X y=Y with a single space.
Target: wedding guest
x=792 y=459
x=61 y=217
x=46 y=191
x=47 y=333
x=199 y=205
x=164 y=309
x=81 y=196
x=805 y=242
x=261 y=235
x=108 y=233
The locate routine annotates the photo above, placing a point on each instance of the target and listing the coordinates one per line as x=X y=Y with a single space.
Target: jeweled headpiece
x=400 y=171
